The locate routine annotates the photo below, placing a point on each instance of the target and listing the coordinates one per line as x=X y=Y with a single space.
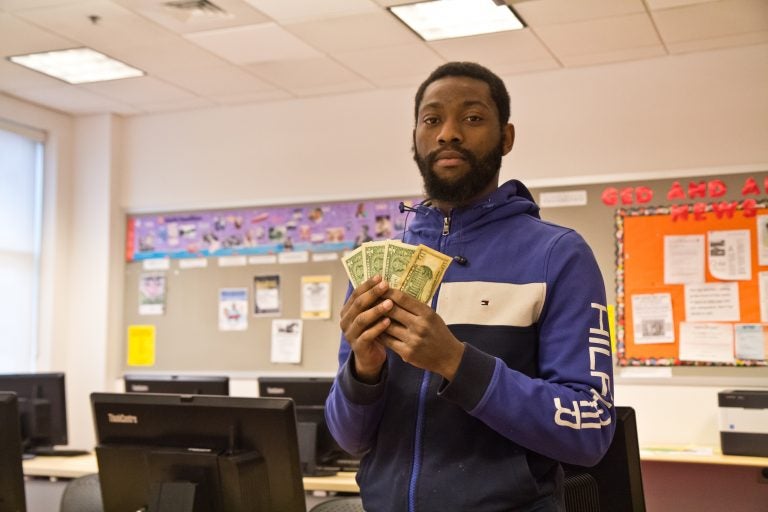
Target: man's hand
x=363 y=320
x=419 y=335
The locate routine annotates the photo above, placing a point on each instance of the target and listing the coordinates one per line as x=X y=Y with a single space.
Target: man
x=469 y=406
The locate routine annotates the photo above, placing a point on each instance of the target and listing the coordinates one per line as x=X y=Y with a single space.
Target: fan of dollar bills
x=415 y=269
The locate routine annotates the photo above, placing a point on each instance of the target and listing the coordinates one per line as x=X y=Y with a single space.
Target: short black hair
x=499 y=92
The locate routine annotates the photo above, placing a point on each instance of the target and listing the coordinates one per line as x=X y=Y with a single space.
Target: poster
x=683 y=259
x=141 y=345
x=152 y=293
x=266 y=295
x=730 y=255
x=718 y=302
x=652 y=318
x=316 y=297
x=286 y=341
x=233 y=309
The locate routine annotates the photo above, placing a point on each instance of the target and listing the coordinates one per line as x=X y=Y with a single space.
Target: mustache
x=433 y=155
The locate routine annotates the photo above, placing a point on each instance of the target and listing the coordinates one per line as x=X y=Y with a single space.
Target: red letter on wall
x=717 y=188
x=697 y=189
x=643 y=195
x=749 y=207
x=750 y=187
x=676 y=192
x=610 y=196
x=725 y=208
x=700 y=211
x=679 y=212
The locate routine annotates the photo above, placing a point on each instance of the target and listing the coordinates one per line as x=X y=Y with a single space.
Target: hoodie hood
x=511 y=198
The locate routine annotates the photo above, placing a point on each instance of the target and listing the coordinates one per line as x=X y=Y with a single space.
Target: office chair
x=82 y=494
x=581 y=493
x=343 y=504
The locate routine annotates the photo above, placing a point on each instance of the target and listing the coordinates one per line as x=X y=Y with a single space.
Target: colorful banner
x=313 y=228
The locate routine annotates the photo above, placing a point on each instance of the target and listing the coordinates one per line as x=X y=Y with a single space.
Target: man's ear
x=509 y=137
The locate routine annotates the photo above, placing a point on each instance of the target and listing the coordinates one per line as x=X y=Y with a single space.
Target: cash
x=415 y=269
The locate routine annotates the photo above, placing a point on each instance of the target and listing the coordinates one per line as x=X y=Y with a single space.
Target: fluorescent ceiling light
x=77 y=65
x=443 y=19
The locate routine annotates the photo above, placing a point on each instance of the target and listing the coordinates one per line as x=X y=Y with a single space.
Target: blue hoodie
x=534 y=387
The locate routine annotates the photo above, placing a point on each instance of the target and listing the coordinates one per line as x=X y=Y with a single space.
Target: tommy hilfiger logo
x=484 y=302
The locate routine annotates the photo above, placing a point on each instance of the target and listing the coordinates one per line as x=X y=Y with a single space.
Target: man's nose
x=450 y=132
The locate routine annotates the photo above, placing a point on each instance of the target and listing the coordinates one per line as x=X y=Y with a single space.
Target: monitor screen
x=177 y=384
x=320 y=454
x=11 y=474
x=42 y=408
x=618 y=474
x=194 y=453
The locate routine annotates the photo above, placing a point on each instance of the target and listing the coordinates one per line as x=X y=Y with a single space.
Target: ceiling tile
x=718 y=42
x=73 y=100
x=666 y=4
x=20 y=5
x=167 y=106
x=139 y=91
x=14 y=76
x=606 y=57
x=171 y=53
x=235 y=13
x=254 y=43
x=712 y=20
x=302 y=10
x=393 y=66
x=369 y=30
x=18 y=37
x=115 y=27
x=601 y=36
x=553 y=12
x=252 y=97
x=220 y=80
x=516 y=50
x=311 y=77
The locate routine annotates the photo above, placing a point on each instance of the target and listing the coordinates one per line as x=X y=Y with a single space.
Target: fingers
x=364 y=313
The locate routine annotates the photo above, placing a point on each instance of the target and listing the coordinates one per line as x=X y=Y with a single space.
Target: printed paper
x=717 y=302
x=233 y=309
x=152 y=293
x=708 y=342
x=652 y=318
x=751 y=341
x=684 y=259
x=730 y=255
x=141 y=345
x=286 y=341
x=316 y=297
x=266 y=295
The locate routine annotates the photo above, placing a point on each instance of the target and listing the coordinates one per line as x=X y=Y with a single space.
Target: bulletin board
x=640 y=271
x=180 y=265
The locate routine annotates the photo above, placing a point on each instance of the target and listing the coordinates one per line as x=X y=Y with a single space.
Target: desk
x=698 y=455
x=73 y=467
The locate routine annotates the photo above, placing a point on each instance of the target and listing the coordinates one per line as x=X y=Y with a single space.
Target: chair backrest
x=581 y=493
x=618 y=474
x=82 y=494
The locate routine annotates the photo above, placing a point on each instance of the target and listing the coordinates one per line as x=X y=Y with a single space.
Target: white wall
x=694 y=111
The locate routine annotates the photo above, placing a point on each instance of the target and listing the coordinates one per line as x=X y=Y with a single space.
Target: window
x=21 y=157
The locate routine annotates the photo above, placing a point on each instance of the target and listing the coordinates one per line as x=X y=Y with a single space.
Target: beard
x=461 y=190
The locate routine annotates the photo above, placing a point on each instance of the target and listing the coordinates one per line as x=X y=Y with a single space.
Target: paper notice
x=684 y=259
x=286 y=341
x=652 y=318
x=730 y=255
x=706 y=342
x=717 y=302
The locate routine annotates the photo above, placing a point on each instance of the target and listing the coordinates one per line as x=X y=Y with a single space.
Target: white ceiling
x=265 y=50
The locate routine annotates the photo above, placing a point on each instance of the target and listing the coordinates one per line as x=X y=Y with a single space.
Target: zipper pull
x=446 y=225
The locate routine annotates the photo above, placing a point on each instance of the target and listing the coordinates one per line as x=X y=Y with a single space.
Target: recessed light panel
x=444 y=19
x=77 y=65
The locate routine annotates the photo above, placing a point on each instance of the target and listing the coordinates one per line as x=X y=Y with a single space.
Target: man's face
x=458 y=141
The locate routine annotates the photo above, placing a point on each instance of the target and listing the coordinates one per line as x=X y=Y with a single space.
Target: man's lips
x=449 y=158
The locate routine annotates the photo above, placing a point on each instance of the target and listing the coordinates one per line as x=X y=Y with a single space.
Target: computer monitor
x=12 y=497
x=618 y=474
x=42 y=409
x=177 y=384
x=320 y=454
x=194 y=453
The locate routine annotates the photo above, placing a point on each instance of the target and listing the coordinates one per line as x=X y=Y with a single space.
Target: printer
x=743 y=422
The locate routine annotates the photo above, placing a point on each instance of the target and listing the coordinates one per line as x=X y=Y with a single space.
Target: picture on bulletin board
x=692 y=284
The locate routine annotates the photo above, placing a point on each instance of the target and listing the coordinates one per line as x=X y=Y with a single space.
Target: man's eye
x=474 y=119
x=431 y=120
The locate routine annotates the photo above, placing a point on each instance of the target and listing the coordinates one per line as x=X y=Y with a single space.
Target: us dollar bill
x=354 y=264
x=425 y=273
x=373 y=258
x=397 y=258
